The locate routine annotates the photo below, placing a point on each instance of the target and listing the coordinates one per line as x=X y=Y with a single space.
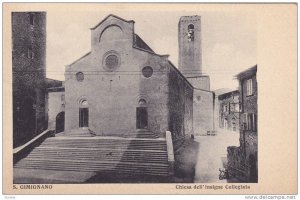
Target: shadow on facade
x=185 y=161
x=184 y=168
x=60 y=122
x=148 y=162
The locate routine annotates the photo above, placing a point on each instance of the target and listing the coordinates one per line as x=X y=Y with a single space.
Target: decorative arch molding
x=107 y=27
x=81 y=99
x=142 y=97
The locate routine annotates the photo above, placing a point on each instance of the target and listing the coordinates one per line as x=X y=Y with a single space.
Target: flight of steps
x=133 y=156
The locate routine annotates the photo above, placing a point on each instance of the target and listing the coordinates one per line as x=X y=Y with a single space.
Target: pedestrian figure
x=192 y=137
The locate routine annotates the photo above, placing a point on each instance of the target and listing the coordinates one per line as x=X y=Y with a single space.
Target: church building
x=123 y=88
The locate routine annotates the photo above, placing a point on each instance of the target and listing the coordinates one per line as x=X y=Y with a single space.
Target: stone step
x=107 y=142
x=97 y=154
x=117 y=159
x=106 y=146
x=103 y=143
x=94 y=154
x=92 y=166
x=45 y=160
x=64 y=139
x=104 y=171
x=111 y=138
x=100 y=155
x=75 y=149
x=111 y=160
x=116 y=148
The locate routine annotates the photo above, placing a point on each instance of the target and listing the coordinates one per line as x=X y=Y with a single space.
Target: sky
x=229 y=43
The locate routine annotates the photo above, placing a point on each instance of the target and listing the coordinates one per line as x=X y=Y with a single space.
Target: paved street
x=211 y=155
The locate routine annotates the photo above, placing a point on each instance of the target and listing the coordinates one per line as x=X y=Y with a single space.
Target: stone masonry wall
x=180 y=105
x=28 y=67
x=203 y=111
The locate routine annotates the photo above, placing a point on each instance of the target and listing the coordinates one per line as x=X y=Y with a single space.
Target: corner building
x=123 y=88
x=243 y=160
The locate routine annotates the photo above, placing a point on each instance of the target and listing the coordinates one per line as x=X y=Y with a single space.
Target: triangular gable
x=114 y=16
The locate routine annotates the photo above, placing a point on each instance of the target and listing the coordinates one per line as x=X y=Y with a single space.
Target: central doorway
x=84 y=114
x=141 y=118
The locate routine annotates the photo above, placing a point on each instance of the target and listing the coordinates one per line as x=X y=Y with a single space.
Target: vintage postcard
x=136 y=98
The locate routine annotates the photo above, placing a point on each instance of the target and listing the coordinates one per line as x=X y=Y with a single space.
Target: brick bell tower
x=190 y=51
x=189 y=38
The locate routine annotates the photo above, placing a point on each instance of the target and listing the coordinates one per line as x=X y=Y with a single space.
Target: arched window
x=191 y=26
x=190 y=33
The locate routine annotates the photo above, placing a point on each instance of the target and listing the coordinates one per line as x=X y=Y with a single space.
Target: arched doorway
x=84 y=114
x=60 y=122
x=142 y=115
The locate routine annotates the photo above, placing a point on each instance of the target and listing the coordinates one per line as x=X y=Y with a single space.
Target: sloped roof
x=246 y=73
x=53 y=83
x=79 y=58
x=221 y=91
x=225 y=95
x=138 y=42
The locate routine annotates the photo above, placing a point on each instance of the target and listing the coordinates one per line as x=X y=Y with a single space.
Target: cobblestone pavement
x=212 y=154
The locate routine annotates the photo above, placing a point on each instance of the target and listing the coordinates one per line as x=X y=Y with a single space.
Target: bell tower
x=189 y=39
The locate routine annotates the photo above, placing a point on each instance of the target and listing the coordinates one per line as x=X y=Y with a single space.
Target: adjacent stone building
x=29 y=75
x=242 y=160
x=229 y=109
x=28 y=66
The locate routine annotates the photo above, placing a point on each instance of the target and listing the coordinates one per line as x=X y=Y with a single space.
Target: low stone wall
x=170 y=151
x=22 y=151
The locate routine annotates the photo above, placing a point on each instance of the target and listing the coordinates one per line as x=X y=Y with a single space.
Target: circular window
x=79 y=76
x=111 y=62
x=147 y=71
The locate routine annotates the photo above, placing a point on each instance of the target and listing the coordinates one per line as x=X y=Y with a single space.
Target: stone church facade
x=123 y=88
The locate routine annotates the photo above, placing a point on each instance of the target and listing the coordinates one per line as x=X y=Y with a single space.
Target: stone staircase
x=132 y=156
